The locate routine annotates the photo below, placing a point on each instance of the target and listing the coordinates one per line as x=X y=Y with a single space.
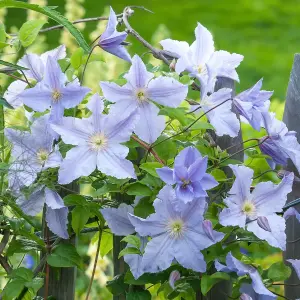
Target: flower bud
x=264 y=223
x=174 y=276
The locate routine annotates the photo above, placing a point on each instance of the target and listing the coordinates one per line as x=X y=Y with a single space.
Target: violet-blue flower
x=296 y=265
x=291 y=212
x=175 y=234
x=234 y=265
x=56 y=211
x=218 y=109
x=97 y=142
x=137 y=93
x=280 y=143
x=201 y=56
x=251 y=103
x=248 y=293
x=32 y=151
x=52 y=92
x=188 y=175
x=257 y=210
x=111 y=40
x=36 y=64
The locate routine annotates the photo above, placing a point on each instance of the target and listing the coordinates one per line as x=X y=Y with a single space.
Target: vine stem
x=95 y=263
x=2 y=126
x=149 y=148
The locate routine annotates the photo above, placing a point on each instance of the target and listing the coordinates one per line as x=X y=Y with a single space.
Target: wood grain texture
x=291 y=118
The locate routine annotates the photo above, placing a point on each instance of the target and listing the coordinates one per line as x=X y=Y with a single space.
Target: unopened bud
x=264 y=223
x=208 y=229
x=172 y=65
x=174 y=276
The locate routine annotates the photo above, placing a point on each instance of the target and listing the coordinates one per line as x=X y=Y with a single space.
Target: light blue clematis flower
x=257 y=210
x=200 y=58
x=52 y=93
x=188 y=175
x=112 y=41
x=175 y=234
x=32 y=151
x=251 y=103
x=56 y=211
x=234 y=265
x=137 y=93
x=98 y=143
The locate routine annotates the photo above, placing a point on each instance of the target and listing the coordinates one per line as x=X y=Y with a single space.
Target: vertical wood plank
x=291 y=118
x=62 y=280
x=223 y=288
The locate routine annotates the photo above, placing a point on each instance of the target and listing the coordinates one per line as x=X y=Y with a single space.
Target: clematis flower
x=248 y=293
x=291 y=212
x=220 y=115
x=174 y=276
x=201 y=56
x=234 y=265
x=257 y=210
x=296 y=265
x=12 y=93
x=52 y=92
x=137 y=93
x=32 y=151
x=280 y=144
x=98 y=143
x=175 y=234
x=188 y=175
x=119 y=224
x=56 y=211
x=112 y=41
x=36 y=64
x=251 y=103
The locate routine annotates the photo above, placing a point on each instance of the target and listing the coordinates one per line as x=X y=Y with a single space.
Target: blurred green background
x=266 y=32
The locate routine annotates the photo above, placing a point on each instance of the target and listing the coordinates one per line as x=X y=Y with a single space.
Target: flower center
x=98 y=141
x=200 y=68
x=185 y=182
x=56 y=95
x=141 y=95
x=249 y=208
x=42 y=155
x=176 y=228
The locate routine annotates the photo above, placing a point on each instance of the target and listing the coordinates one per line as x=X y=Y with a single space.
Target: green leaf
x=145 y=278
x=176 y=114
x=144 y=208
x=2 y=33
x=106 y=243
x=54 y=15
x=5 y=103
x=186 y=79
x=167 y=149
x=219 y=175
x=75 y=200
x=279 y=272
x=64 y=256
x=208 y=281
x=80 y=215
x=22 y=274
x=139 y=295
x=13 y=289
x=129 y=250
x=117 y=285
x=132 y=240
x=22 y=246
x=200 y=125
x=151 y=180
x=138 y=189
x=35 y=284
x=76 y=58
x=29 y=31
x=150 y=167
x=10 y=65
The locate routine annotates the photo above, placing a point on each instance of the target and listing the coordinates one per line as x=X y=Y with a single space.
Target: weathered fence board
x=292 y=120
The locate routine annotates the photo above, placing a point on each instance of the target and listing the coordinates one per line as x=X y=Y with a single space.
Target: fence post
x=62 y=280
x=222 y=289
x=291 y=118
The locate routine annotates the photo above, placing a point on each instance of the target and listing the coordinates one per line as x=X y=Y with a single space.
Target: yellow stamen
x=249 y=208
x=56 y=95
x=176 y=228
x=98 y=141
x=42 y=155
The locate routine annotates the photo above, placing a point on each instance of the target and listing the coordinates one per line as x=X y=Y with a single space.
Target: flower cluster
x=185 y=222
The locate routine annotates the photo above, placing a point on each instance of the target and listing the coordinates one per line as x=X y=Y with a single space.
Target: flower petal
x=296 y=265
x=184 y=193
x=57 y=54
x=57 y=221
x=35 y=65
x=187 y=157
x=13 y=91
x=232 y=216
x=167 y=91
x=138 y=75
x=81 y=160
x=177 y=47
x=116 y=93
x=166 y=175
x=117 y=219
x=53 y=199
x=72 y=95
x=197 y=170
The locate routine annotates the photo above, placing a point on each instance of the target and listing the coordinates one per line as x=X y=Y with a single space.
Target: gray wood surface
x=292 y=120
x=223 y=288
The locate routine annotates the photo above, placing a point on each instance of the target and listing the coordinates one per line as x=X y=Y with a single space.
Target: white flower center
x=141 y=95
x=42 y=155
x=56 y=95
x=98 y=141
x=176 y=228
x=249 y=208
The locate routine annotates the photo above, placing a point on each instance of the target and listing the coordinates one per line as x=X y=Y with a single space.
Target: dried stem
x=149 y=149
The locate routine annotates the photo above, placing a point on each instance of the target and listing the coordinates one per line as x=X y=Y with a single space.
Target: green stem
x=2 y=126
